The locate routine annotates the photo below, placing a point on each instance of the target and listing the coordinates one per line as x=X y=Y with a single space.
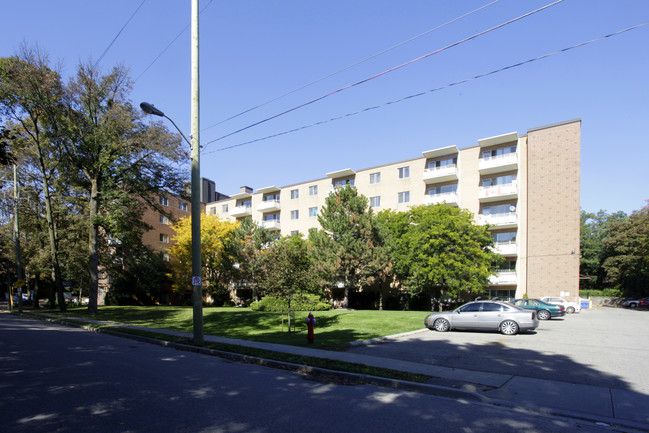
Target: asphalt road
x=601 y=347
x=58 y=379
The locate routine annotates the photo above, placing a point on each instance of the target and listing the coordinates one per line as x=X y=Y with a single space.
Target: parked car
x=634 y=303
x=544 y=311
x=484 y=315
x=571 y=307
x=643 y=303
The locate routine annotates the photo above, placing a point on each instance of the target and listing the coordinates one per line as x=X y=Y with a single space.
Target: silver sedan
x=484 y=315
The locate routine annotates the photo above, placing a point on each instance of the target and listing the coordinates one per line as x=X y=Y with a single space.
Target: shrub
x=305 y=303
x=603 y=293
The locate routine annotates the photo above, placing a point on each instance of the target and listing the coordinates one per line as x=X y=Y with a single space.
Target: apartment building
x=525 y=188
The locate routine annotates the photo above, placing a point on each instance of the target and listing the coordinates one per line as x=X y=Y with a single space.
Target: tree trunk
x=93 y=265
x=37 y=280
x=56 y=270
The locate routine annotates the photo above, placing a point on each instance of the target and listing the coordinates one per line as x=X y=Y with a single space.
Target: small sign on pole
x=196 y=281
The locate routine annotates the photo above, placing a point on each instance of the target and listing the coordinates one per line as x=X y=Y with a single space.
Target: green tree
x=287 y=271
x=438 y=250
x=29 y=94
x=120 y=163
x=248 y=244
x=347 y=250
x=595 y=229
x=627 y=253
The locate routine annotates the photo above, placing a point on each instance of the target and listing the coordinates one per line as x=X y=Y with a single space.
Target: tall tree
x=248 y=244
x=29 y=93
x=595 y=229
x=438 y=250
x=346 y=250
x=115 y=157
x=627 y=253
x=287 y=270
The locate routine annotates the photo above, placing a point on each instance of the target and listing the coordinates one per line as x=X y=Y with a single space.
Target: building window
x=224 y=208
x=164 y=220
x=164 y=238
x=375 y=201
x=343 y=182
x=404 y=172
x=499 y=180
x=295 y=193
x=441 y=163
x=295 y=232
x=504 y=238
x=498 y=153
x=271 y=217
x=164 y=201
x=295 y=214
x=500 y=209
x=375 y=178
x=404 y=197
x=182 y=205
x=313 y=212
x=313 y=190
x=441 y=190
x=212 y=210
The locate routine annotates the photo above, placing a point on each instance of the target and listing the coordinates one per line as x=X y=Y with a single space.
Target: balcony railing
x=505 y=277
x=448 y=198
x=268 y=205
x=240 y=211
x=494 y=164
x=498 y=192
x=506 y=248
x=502 y=220
x=271 y=224
x=440 y=174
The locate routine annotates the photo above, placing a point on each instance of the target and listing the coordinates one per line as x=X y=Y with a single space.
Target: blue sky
x=254 y=51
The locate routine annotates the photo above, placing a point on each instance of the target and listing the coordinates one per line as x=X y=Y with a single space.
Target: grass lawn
x=333 y=328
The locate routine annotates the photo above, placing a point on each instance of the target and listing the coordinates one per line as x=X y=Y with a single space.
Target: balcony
x=508 y=191
x=440 y=174
x=503 y=278
x=268 y=206
x=501 y=221
x=271 y=225
x=498 y=163
x=241 y=211
x=448 y=198
x=506 y=249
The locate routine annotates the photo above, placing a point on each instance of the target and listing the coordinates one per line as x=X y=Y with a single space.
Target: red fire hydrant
x=310 y=323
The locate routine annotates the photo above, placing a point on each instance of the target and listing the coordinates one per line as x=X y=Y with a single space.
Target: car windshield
x=514 y=307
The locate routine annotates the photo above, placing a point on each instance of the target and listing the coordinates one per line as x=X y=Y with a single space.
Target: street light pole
x=197 y=287
x=197 y=290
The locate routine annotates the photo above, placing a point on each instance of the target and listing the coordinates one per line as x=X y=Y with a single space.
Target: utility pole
x=19 y=271
x=197 y=288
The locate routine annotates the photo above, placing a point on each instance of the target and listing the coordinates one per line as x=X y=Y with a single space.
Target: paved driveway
x=602 y=347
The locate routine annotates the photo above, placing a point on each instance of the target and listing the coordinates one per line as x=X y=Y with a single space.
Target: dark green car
x=544 y=311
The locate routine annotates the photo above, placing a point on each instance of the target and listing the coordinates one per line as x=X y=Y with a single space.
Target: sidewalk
x=608 y=406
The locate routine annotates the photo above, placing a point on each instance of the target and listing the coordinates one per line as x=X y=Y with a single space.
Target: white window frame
x=295 y=214
x=404 y=172
x=295 y=193
x=313 y=190
x=375 y=201
x=403 y=197
x=375 y=178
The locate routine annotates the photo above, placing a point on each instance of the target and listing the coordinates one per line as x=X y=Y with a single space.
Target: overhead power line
x=352 y=65
x=466 y=80
x=169 y=45
x=117 y=35
x=385 y=72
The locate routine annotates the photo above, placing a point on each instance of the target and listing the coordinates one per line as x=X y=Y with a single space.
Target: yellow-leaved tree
x=216 y=256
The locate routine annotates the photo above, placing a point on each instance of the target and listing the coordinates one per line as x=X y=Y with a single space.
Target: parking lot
x=602 y=347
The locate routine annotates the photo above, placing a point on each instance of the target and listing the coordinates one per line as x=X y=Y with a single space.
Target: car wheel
x=509 y=327
x=634 y=305
x=543 y=314
x=570 y=310
x=441 y=325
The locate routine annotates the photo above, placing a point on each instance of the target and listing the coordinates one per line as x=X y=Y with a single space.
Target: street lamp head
x=150 y=109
